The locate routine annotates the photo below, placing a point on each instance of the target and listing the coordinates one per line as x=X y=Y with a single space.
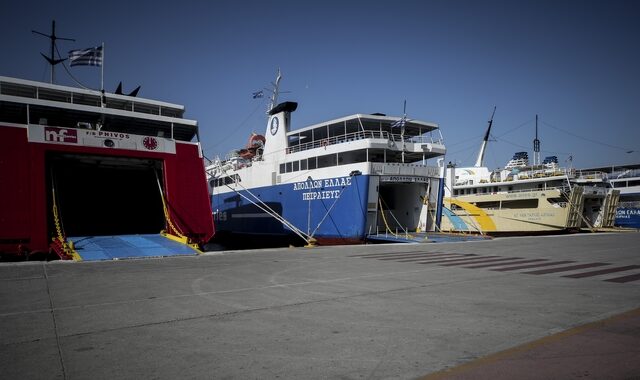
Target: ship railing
x=232 y=161
x=625 y=173
x=82 y=97
x=594 y=190
x=597 y=175
x=362 y=135
x=561 y=188
x=530 y=173
x=379 y=168
x=629 y=204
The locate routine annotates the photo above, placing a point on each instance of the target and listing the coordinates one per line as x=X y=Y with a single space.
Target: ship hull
x=99 y=191
x=331 y=210
x=517 y=213
x=628 y=212
x=628 y=217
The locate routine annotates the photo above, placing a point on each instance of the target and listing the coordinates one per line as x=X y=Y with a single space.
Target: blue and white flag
x=86 y=57
x=399 y=123
x=258 y=94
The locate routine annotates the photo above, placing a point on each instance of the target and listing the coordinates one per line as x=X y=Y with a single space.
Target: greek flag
x=399 y=123
x=86 y=57
x=258 y=94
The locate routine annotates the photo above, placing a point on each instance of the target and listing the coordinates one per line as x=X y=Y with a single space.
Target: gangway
x=96 y=248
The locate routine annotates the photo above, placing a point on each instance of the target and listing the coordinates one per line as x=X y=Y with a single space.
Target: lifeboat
x=255 y=143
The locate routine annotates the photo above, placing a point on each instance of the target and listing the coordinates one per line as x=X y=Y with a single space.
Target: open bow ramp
x=95 y=248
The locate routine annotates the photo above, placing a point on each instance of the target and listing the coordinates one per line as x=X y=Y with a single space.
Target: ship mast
x=51 y=59
x=483 y=147
x=536 y=147
x=276 y=91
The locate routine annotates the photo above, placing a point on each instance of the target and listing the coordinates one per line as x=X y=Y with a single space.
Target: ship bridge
x=29 y=102
x=378 y=137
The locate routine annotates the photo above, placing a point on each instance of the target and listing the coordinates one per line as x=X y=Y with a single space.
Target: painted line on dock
x=503 y=264
x=534 y=265
x=469 y=260
x=603 y=271
x=410 y=257
x=566 y=269
x=372 y=255
x=482 y=261
x=507 y=264
x=625 y=279
x=450 y=257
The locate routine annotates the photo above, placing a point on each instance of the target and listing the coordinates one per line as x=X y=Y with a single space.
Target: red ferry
x=87 y=175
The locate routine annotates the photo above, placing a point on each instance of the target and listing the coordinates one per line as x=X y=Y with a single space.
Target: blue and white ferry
x=332 y=183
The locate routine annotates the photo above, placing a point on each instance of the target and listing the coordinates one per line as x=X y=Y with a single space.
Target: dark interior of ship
x=401 y=203
x=102 y=196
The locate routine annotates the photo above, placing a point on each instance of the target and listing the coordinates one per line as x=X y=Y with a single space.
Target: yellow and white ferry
x=524 y=198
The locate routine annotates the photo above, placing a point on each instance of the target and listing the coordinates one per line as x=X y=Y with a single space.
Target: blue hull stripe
x=628 y=217
x=456 y=221
x=303 y=204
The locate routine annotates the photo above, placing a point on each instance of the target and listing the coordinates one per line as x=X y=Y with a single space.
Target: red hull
x=25 y=209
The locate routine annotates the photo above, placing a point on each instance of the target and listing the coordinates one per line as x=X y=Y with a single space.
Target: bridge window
x=352 y=157
x=327 y=160
x=520 y=203
x=312 y=163
x=488 y=205
x=619 y=184
x=320 y=133
x=336 y=130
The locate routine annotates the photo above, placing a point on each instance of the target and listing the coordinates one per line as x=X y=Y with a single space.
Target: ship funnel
x=278 y=124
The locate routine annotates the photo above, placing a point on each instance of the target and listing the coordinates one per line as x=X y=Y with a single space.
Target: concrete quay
x=527 y=307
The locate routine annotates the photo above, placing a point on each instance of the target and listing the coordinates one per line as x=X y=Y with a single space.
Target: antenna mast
x=404 y=120
x=51 y=59
x=483 y=147
x=536 y=146
x=276 y=92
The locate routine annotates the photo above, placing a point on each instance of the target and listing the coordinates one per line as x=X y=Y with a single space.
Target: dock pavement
x=525 y=307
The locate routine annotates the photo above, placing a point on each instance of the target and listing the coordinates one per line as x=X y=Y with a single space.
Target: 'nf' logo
x=60 y=135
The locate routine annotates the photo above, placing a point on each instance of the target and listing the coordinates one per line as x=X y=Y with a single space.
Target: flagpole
x=102 y=70
x=404 y=120
x=103 y=98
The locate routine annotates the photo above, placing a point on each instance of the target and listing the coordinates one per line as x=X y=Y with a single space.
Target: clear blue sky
x=574 y=63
